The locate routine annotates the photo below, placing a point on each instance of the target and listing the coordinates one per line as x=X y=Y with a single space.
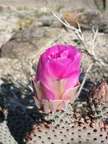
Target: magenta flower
x=57 y=77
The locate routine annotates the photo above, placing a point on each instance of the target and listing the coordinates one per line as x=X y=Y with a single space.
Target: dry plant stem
x=65 y=24
x=77 y=31
x=80 y=36
x=93 y=45
x=84 y=80
x=78 y=93
x=95 y=34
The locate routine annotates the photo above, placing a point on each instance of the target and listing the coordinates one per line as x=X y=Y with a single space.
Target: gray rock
x=50 y=20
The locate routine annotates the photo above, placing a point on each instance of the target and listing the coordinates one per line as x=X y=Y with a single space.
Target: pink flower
x=57 y=77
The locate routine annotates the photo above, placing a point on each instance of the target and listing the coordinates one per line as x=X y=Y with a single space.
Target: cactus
x=78 y=125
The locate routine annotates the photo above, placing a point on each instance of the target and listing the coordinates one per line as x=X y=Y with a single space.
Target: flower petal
x=72 y=81
x=70 y=94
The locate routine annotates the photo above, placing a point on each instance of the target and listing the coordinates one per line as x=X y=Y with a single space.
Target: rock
x=49 y=20
x=23 y=50
x=88 y=4
x=101 y=4
x=72 y=18
x=29 y=41
x=87 y=19
x=7 y=28
x=13 y=68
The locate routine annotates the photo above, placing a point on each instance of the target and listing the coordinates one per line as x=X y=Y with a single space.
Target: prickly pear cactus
x=77 y=125
x=5 y=135
x=84 y=122
x=68 y=131
x=98 y=100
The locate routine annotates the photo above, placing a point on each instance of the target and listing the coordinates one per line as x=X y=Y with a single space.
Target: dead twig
x=80 y=36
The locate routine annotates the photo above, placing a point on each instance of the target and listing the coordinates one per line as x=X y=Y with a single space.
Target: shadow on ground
x=22 y=113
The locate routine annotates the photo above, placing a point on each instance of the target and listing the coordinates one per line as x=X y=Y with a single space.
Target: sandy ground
x=42 y=3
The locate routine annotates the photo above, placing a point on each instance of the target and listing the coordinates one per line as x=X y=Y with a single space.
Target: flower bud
x=57 y=77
